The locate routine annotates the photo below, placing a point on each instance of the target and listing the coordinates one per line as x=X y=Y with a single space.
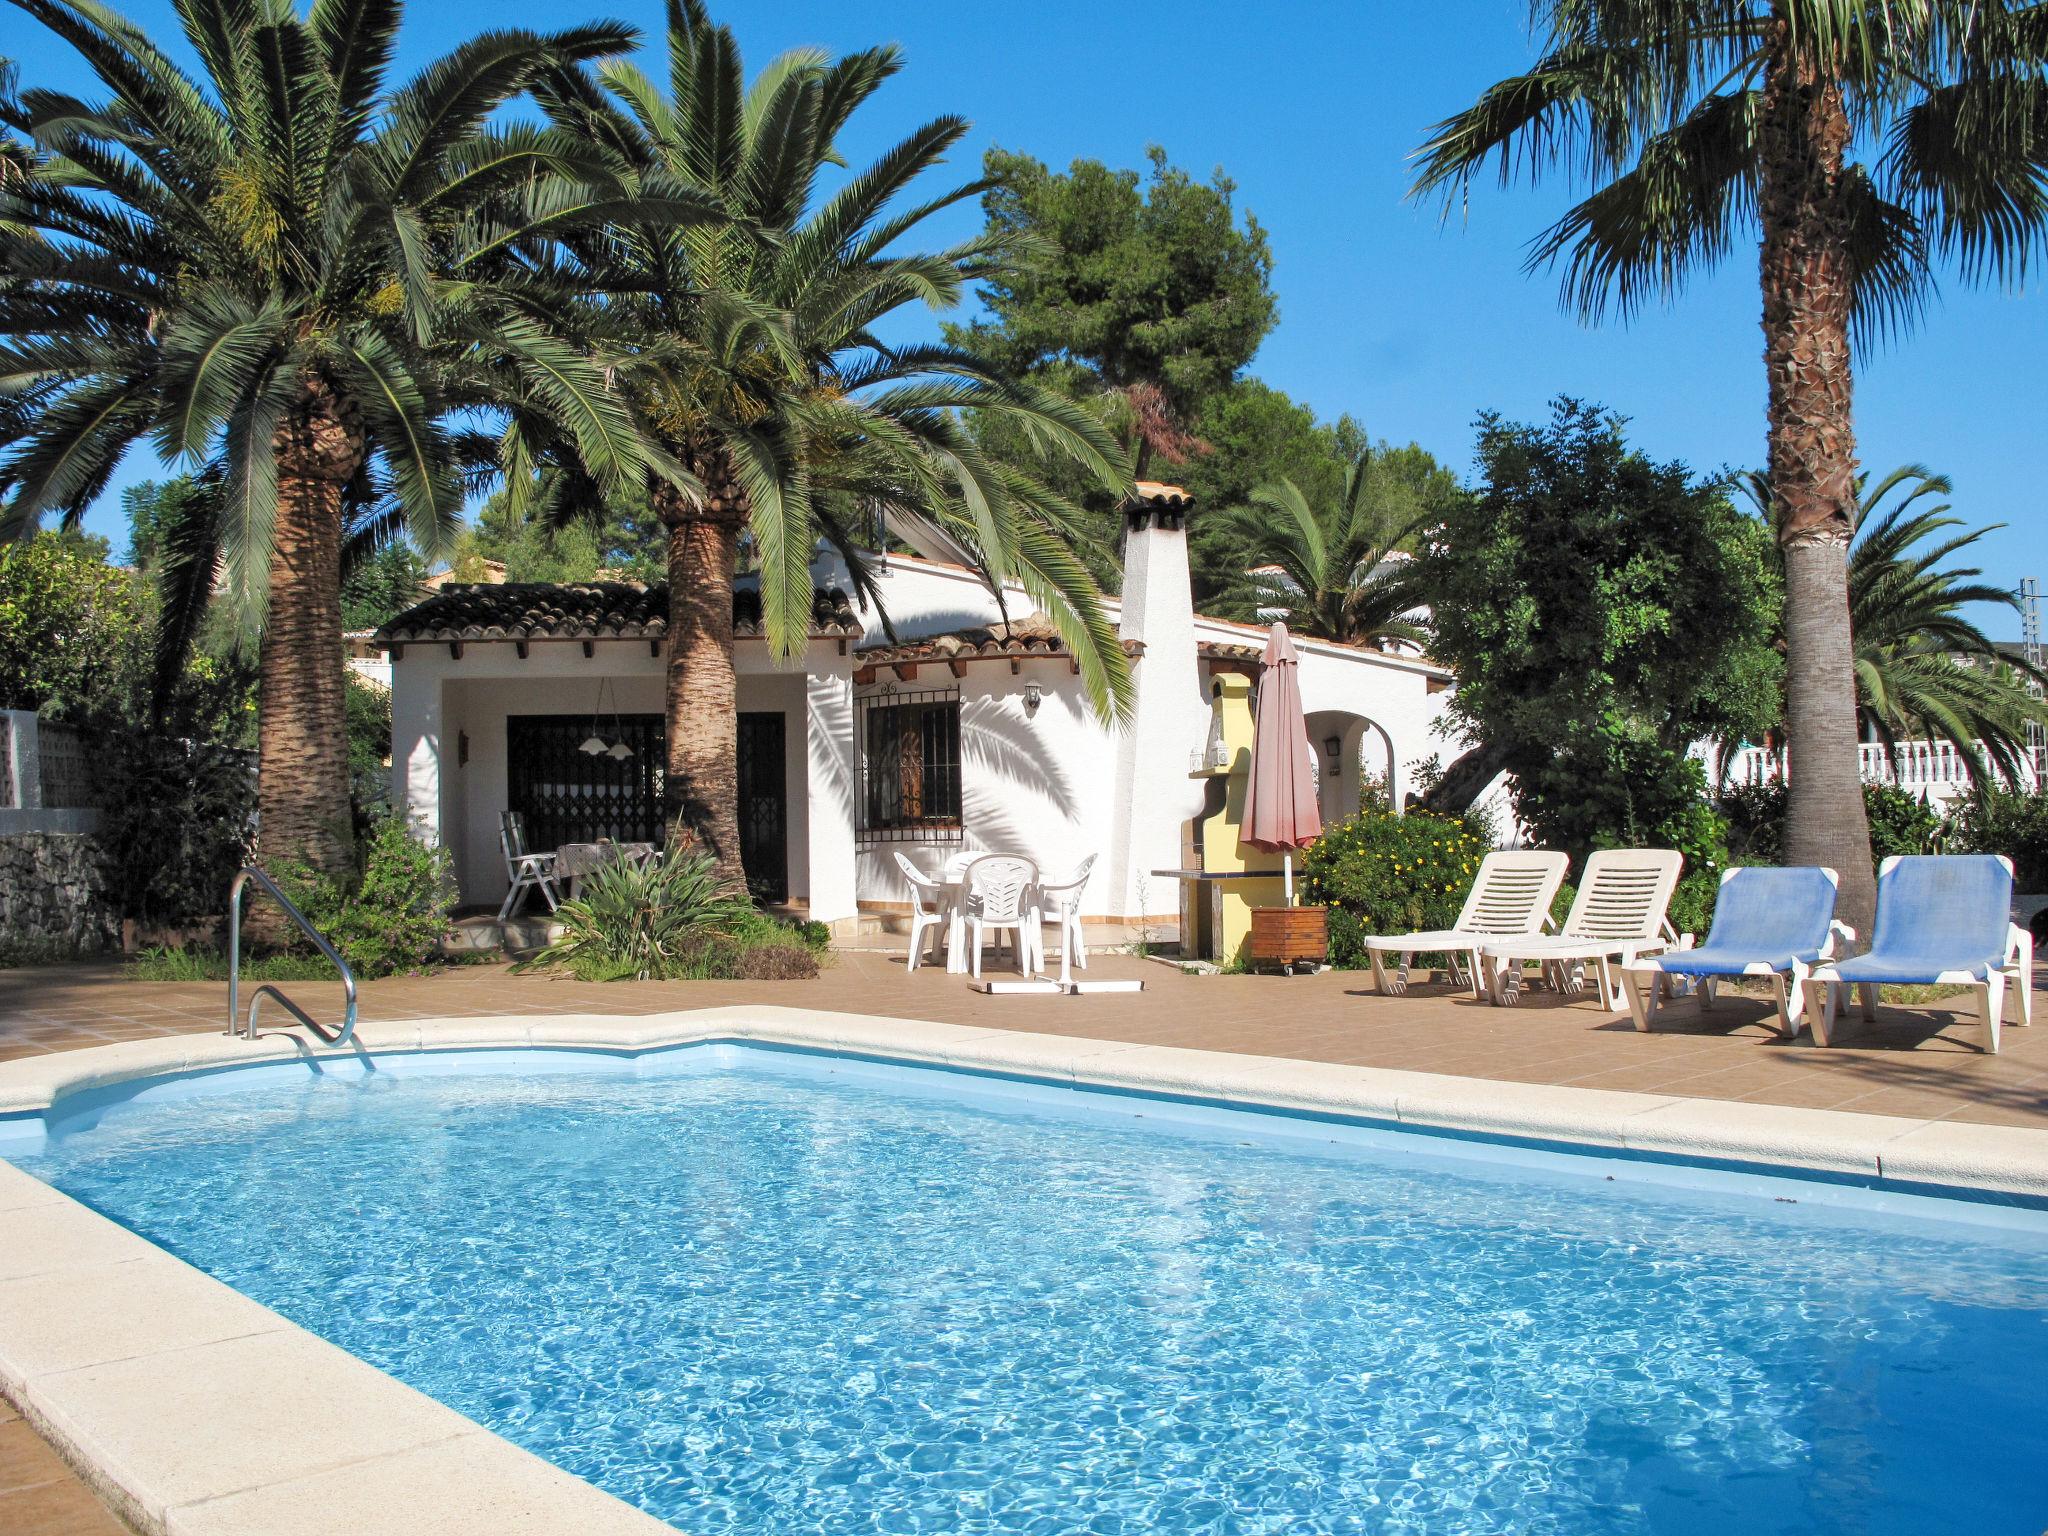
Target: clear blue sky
x=1411 y=325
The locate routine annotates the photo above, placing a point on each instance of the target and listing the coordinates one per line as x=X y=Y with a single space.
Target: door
x=764 y=805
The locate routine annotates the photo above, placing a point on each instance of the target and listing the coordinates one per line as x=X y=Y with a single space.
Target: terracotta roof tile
x=1031 y=635
x=594 y=610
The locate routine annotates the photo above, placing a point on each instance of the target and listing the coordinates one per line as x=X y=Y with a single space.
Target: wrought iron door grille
x=570 y=796
x=909 y=745
x=764 y=804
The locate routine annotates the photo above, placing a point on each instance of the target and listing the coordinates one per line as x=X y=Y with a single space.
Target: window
x=910 y=767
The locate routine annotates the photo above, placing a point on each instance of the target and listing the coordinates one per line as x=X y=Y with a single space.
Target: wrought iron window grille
x=908 y=747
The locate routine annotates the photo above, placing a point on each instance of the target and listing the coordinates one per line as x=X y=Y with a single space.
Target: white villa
x=964 y=730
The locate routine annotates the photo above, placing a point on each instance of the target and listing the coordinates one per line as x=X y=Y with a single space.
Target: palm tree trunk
x=702 y=789
x=302 y=721
x=1807 y=297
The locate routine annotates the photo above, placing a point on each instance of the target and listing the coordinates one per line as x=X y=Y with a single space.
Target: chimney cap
x=1153 y=505
x=1152 y=493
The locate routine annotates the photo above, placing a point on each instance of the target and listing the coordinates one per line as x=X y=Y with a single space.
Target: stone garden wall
x=53 y=894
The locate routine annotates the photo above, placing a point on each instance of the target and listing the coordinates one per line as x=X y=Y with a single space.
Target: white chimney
x=1169 y=719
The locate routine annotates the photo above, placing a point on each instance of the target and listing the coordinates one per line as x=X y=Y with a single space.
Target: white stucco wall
x=1031 y=783
x=1056 y=785
x=438 y=700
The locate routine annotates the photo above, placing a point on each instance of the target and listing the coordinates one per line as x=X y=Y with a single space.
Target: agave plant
x=646 y=921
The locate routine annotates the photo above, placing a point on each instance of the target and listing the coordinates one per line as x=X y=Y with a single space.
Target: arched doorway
x=1351 y=750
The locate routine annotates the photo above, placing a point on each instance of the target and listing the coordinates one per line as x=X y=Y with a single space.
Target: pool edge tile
x=1829 y=1140
x=162 y=1430
x=2006 y=1158
x=472 y=1485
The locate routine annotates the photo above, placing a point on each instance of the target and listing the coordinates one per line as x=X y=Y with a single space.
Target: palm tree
x=1923 y=669
x=750 y=356
x=1340 y=573
x=1704 y=125
x=282 y=273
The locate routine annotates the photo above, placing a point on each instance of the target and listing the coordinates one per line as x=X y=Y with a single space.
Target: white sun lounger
x=1616 y=919
x=1511 y=894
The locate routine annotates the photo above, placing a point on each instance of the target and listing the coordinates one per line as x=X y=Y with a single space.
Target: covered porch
x=498 y=689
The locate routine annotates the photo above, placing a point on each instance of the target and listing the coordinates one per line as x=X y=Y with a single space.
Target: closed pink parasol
x=1280 y=813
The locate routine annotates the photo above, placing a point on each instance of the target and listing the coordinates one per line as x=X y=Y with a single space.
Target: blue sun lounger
x=1777 y=923
x=1942 y=920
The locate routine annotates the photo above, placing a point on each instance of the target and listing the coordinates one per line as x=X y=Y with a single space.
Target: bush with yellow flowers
x=1380 y=873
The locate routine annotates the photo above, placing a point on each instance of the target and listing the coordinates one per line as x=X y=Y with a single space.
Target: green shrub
x=1755 y=814
x=175 y=820
x=2007 y=821
x=1692 y=904
x=675 y=921
x=1380 y=873
x=392 y=915
x=1900 y=822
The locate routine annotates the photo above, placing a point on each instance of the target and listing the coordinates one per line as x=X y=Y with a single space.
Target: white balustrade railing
x=1935 y=770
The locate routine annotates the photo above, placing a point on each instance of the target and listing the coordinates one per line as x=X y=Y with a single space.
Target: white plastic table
x=575 y=860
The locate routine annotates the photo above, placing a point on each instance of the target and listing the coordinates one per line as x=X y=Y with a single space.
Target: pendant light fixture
x=594 y=744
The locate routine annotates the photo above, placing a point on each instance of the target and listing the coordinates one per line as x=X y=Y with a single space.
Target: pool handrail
x=341 y=1036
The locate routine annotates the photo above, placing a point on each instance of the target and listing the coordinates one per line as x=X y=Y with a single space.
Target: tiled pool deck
x=1921 y=1063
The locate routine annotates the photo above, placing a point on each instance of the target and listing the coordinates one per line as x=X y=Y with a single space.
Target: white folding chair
x=1001 y=896
x=1059 y=903
x=927 y=906
x=527 y=871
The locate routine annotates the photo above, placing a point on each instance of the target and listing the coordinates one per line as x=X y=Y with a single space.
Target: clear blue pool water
x=752 y=1293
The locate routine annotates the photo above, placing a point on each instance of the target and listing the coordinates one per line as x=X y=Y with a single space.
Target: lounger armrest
x=2017 y=943
x=1840 y=937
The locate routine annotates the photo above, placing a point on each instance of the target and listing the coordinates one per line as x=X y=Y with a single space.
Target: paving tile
x=25 y=1461
x=62 y=1508
x=1334 y=1018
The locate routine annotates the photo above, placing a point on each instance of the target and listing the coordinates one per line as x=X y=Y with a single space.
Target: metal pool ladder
x=348 y=979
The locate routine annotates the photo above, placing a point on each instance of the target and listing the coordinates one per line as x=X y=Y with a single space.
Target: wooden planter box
x=1290 y=935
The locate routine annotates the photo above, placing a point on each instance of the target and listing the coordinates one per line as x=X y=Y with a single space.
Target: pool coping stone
x=195 y=1411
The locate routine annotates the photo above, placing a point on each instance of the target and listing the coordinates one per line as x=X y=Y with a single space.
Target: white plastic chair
x=527 y=871
x=1616 y=919
x=927 y=906
x=1059 y=903
x=1001 y=898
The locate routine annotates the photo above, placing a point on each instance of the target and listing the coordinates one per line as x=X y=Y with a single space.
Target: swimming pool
x=759 y=1291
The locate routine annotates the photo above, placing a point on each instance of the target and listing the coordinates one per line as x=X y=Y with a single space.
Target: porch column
x=416 y=727
x=829 y=836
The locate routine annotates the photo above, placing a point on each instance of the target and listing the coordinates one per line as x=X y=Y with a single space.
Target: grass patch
x=164 y=964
